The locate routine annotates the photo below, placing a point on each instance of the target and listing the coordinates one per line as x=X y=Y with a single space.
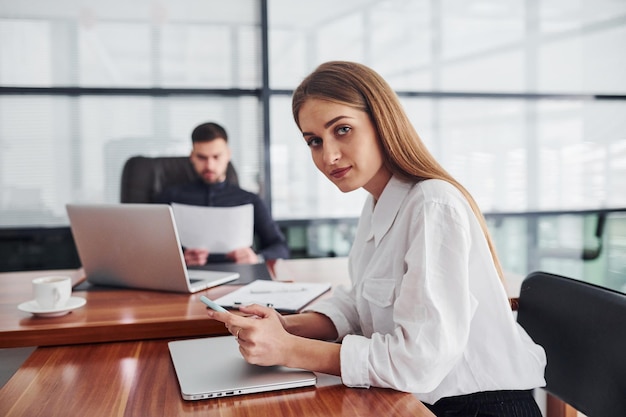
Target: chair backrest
x=144 y=177
x=582 y=328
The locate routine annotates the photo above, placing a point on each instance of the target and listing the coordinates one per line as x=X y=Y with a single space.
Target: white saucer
x=32 y=307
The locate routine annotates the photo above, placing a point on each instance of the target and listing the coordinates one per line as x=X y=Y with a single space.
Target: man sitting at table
x=210 y=157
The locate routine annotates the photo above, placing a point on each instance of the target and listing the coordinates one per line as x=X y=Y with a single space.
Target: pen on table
x=239 y=303
x=277 y=291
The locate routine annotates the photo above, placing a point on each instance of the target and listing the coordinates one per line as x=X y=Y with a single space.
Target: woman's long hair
x=405 y=154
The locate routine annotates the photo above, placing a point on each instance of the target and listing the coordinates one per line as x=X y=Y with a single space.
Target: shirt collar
x=214 y=186
x=383 y=214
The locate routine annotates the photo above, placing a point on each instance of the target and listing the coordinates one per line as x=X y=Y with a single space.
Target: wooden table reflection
x=117 y=314
x=110 y=314
x=110 y=357
x=138 y=379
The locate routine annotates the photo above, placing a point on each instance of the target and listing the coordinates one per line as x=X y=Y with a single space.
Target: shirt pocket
x=379 y=292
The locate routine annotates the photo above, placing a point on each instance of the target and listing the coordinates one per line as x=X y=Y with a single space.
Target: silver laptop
x=213 y=367
x=137 y=246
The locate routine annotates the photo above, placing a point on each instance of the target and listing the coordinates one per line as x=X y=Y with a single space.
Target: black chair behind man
x=582 y=328
x=145 y=177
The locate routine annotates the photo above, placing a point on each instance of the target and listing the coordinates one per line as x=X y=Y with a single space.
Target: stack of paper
x=287 y=297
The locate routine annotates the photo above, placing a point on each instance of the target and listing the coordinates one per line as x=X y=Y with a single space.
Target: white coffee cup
x=52 y=292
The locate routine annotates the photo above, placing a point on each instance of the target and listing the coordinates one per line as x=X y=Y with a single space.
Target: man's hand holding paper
x=195 y=257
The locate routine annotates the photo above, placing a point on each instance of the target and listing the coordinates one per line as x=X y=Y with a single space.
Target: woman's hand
x=265 y=338
x=262 y=337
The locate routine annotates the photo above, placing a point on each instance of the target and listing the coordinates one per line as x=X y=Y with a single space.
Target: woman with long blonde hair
x=427 y=311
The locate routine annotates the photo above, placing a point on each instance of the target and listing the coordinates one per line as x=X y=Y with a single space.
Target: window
x=499 y=91
x=523 y=101
x=119 y=79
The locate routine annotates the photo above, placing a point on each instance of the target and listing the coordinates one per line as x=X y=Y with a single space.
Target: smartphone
x=212 y=304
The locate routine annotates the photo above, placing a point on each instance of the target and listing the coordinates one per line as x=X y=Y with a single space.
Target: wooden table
x=114 y=314
x=138 y=379
x=109 y=314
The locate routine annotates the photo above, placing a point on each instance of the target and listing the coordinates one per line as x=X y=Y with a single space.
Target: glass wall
x=140 y=43
x=507 y=95
x=524 y=101
x=85 y=85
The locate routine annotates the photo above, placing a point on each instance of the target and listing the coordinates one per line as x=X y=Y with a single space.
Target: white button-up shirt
x=427 y=312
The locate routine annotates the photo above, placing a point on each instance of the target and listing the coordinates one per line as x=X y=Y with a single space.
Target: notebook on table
x=213 y=367
x=285 y=297
x=137 y=246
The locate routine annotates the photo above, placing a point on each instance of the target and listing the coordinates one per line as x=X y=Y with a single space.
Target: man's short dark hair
x=207 y=132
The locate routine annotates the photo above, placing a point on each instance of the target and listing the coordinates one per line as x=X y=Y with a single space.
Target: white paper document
x=287 y=297
x=217 y=229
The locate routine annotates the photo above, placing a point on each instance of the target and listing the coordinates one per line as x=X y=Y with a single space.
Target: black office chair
x=145 y=177
x=582 y=328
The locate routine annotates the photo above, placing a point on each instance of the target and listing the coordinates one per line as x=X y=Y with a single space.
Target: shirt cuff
x=354 y=357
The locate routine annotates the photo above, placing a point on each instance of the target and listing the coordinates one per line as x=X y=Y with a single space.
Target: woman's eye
x=313 y=142
x=343 y=130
